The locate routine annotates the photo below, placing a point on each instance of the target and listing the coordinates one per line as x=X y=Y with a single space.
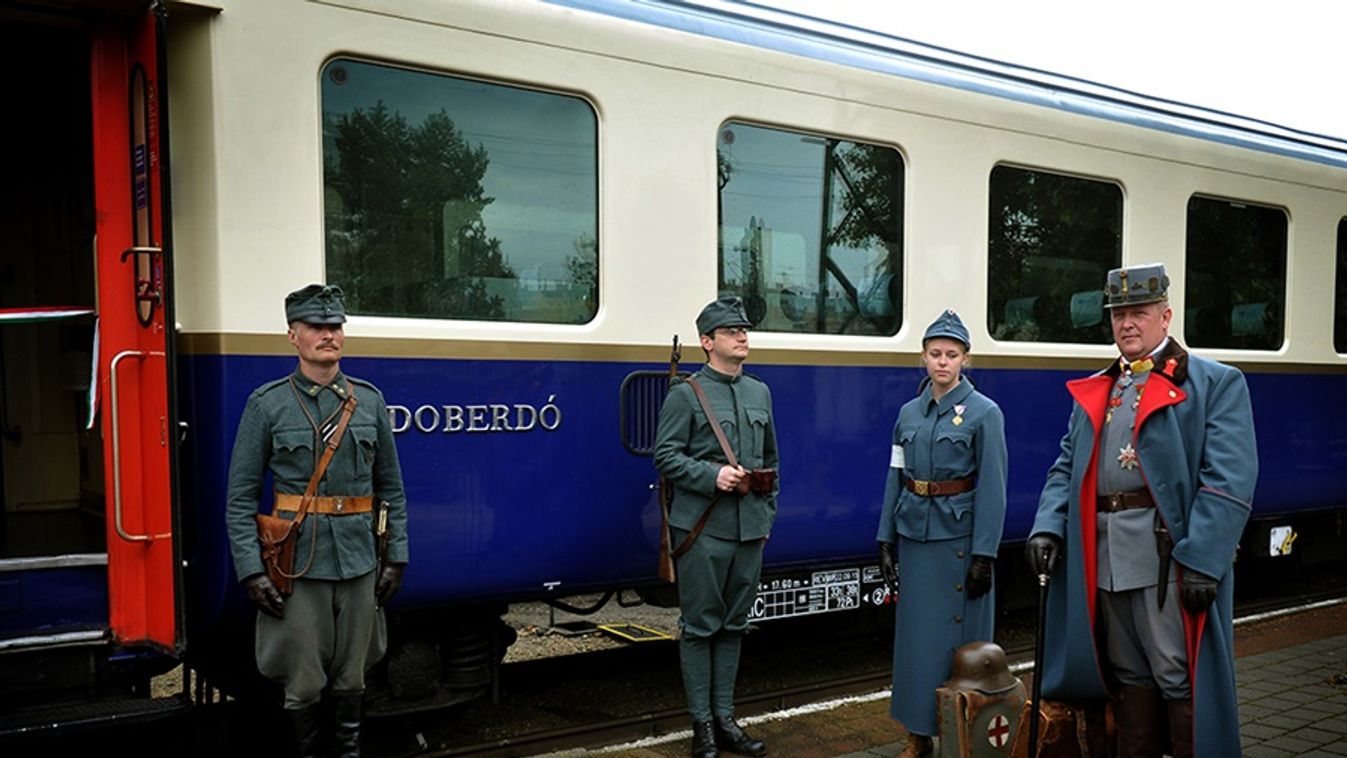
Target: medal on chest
x=1127 y=458
x=958 y=414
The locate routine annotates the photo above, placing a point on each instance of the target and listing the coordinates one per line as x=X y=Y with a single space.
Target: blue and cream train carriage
x=525 y=201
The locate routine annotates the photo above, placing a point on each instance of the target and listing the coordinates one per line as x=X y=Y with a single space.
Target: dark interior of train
x=51 y=466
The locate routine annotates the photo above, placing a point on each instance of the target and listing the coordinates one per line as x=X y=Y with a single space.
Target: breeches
x=717 y=583
x=1145 y=644
x=330 y=634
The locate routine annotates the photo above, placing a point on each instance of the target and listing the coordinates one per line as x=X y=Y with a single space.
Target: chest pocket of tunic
x=292 y=453
x=757 y=423
x=366 y=446
x=954 y=456
x=702 y=426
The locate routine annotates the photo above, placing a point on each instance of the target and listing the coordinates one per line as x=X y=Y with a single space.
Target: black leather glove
x=1041 y=552
x=390 y=579
x=1197 y=590
x=979 y=579
x=888 y=566
x=265 y=595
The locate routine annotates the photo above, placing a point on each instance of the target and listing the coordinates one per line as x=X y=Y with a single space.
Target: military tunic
x=718 y=577
x=276 y=435
x=937 y=538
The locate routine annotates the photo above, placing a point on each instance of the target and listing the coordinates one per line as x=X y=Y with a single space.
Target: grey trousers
x=717 y=583
x=1145 y=644
x=330 y=635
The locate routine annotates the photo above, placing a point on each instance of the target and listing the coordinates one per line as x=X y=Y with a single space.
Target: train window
x=1052 y=240
x=810 y=230
x=443 y=199
x=1235 y=290
x=1340 y=294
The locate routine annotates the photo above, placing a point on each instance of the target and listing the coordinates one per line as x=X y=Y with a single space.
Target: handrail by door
x=117 y=449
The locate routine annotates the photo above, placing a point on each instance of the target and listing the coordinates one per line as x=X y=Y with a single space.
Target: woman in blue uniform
x=940 y=526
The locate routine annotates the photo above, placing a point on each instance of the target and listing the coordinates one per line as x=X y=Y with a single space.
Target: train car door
x=135 y=350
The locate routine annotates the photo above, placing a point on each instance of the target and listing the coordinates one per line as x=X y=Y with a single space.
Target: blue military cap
x=948 y=325
x=316 y=304
x=1136 y=285
x=727 y=311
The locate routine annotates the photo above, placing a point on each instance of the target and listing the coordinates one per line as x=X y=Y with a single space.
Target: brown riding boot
x=918 y=746
x=1181 y=727
x=1141 y=722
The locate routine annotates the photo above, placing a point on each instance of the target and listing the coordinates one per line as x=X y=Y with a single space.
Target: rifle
x=666 y=564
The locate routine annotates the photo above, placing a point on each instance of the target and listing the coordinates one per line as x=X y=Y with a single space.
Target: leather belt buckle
x=337 y=505
x=1115 y=501
x=921 y=487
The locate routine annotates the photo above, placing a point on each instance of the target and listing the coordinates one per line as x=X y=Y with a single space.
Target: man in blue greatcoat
x=1144 y=507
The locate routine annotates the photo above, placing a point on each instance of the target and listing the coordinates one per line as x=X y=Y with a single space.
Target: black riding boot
x=304 y=725
x=703 y=740
x=346 y=713
x=729 y=736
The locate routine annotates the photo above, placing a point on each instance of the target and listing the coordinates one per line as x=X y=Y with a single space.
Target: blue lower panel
x=503 y=513
x=54 y=600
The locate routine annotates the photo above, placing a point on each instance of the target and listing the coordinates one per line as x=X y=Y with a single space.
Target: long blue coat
x=1195 y=441
x=937 y=538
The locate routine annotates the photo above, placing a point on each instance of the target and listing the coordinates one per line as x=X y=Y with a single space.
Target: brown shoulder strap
x=729 y=455
x=332 y=443
x=715 y=422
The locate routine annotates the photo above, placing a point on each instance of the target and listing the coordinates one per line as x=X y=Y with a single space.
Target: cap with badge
x=1136 y=285
x=726 y=311
x=948 y=325
x=316 y=304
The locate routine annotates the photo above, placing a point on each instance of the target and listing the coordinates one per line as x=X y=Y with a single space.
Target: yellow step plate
x=634 y=632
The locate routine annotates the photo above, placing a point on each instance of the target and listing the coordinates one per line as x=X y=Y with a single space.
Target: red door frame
x=134 y=354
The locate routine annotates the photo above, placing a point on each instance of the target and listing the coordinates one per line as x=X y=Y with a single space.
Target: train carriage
x=524 y=202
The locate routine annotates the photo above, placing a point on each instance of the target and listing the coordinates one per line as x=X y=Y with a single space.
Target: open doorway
x=51 y=456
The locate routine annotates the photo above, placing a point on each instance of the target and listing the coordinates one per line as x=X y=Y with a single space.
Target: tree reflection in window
x=443 y=200
x=1053 y=239
x=810 y=230
x=1235 y=290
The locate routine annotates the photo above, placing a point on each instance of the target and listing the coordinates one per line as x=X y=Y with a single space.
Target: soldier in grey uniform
x=718 y=574
x=331 y=629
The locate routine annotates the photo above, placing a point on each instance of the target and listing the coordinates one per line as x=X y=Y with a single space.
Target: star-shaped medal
x=1127 y=457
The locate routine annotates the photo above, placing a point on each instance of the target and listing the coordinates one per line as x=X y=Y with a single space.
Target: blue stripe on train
x=507 y=514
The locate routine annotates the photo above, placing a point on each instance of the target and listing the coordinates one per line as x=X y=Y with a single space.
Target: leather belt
x=338 y=505
x=1124 y=501
x=931 y=489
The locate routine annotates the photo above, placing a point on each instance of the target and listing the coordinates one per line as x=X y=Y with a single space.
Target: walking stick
x=1038 y=664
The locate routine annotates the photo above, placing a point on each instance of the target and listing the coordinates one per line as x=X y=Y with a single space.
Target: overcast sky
x=1284 y=62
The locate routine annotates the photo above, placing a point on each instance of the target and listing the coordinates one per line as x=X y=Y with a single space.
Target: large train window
x=1340 y=293
x=810 y=230
x=443 y=197
x=1052 y=240
x=1235 y=290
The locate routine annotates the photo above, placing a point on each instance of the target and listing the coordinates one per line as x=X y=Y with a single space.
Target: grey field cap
x=316 y=304
x=725 y=311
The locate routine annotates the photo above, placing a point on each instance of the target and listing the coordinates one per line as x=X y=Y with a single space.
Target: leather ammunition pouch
x=278 y=537
x=760 y=481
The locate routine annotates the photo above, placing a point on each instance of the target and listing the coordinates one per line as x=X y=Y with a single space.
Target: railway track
x=670 y=723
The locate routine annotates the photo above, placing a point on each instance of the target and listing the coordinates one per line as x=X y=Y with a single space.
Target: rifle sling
x=696 y=532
